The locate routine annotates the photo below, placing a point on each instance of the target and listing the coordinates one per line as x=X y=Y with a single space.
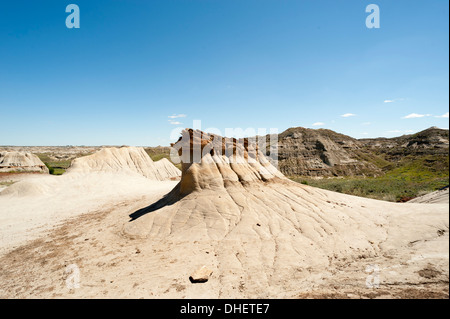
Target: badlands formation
x=21 y=162
x=322 y=152
x=111 y=175
x=125 y=160
x=237 y=220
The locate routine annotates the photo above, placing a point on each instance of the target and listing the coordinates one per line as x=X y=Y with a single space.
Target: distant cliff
x=325 y=153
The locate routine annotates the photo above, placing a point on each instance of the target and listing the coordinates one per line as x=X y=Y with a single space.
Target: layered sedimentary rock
x=321 y=153
x=325 y=153
x=21 y=162
x=432 y=141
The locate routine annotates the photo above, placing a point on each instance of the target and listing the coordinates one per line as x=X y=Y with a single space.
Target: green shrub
x=51 y=170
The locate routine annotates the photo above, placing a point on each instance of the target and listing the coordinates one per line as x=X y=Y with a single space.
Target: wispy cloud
x=445 y=116
x=175 y=116
x=415 y=116
x=318 y=124
x=348 y=115
x=366 y=123
x=393 y=100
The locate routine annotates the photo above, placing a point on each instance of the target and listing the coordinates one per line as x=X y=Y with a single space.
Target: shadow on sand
x=169 y=199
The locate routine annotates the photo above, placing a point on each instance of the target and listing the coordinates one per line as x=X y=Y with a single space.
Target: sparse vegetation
x=58 y=167
x=383 y=188
x=54 y=170
x=6 y=183
x=158 y=157
x=48 y=159
x=407 y=179
x=160 y=152
x=51 y=170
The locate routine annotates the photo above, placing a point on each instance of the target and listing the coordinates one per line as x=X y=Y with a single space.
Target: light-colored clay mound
x=437 y=197
x=166 y=170
x=21 y=162
x=31 y=187
x=132 y=160
x=121 y=162
x=105 y=178
x=284 y=235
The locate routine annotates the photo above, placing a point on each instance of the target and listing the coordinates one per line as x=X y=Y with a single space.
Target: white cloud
x=366 y=123
x=175 y=116
x=348 y=115
x=394 y=131
x=445 y=116
x=393 y=100
x=415 y=116
x=318 y=124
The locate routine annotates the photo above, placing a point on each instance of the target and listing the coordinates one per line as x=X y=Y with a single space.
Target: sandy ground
x=62 y=237
x=43 y=201
x=437 y=197
x=16 y=177
x=111 y=266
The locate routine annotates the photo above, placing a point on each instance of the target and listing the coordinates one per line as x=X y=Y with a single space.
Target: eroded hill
x=325 y=153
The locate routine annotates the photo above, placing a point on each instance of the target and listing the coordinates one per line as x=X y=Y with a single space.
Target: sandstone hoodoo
x=260 y=225
x=126 y=160
x=21 y=162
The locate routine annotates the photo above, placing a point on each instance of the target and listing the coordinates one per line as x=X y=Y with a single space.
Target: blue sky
x=229 y=63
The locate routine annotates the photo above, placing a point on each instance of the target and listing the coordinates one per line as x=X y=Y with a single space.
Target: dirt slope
x=125 y=160
x=437 y=197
